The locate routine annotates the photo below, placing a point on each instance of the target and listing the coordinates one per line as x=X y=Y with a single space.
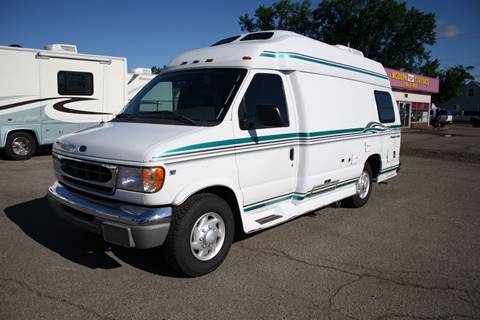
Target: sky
x=153 y=32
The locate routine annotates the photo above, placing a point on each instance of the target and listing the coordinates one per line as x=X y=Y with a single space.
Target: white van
x=250 y=132
x=47 y=93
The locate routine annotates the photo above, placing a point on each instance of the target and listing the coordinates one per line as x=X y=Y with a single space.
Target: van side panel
x=333 y=114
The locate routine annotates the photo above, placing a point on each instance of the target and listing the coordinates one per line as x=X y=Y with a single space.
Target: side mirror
x=269 y=116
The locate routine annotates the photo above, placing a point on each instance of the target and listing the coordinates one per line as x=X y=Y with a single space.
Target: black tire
x=177 y=245
x=357 y=201
x=26 y=139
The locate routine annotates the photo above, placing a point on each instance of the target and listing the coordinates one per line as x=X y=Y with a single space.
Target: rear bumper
x=122 y=224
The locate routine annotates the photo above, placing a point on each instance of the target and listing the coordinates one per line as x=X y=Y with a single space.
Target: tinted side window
x=75 y=83
x=384 y=106
x=264 y=90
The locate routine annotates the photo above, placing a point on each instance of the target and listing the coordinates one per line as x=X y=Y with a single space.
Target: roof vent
x=61 y=47
x=141 y=71
x=351 y=50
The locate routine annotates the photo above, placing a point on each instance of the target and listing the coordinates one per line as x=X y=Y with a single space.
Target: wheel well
x=375 y=163
x=229 y=196
x=30 y=131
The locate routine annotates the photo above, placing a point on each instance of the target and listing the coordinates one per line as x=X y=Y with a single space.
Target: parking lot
x=412 y=252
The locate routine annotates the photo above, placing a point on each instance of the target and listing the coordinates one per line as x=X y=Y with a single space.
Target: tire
x=20 y=146
x=361 y=197
x=183 y=246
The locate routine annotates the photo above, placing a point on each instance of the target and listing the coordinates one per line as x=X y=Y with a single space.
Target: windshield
x=190 y=97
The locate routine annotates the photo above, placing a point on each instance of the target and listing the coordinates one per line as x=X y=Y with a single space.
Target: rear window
x=384 y=106
x=258 y=36
x=75 y=83
x=226 y=40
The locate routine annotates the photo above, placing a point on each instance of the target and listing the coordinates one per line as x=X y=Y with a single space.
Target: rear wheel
x=364 y=188
x=200 y=235
x=20 y=145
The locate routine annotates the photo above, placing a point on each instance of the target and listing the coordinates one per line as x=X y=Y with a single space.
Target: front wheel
x=200 y=235
x=364 y=188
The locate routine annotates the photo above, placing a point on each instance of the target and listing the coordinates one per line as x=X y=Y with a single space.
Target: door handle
x=292 y=154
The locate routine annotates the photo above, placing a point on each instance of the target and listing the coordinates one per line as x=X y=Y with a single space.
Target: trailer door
x=74 y=88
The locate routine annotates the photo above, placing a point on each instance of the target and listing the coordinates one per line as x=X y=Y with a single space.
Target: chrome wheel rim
x=363 y=185
x=21 y=146
x=207 y=236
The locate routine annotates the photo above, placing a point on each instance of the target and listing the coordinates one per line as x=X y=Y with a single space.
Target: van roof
x=284 y=51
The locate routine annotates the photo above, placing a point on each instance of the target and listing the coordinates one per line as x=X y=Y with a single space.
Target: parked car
x=440 y=118
x=246 y=134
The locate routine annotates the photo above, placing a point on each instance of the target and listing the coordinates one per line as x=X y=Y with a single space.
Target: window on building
x=265 y=91
x=470 y=92
x=420 y=112
x=384 y=106
x=75 y=83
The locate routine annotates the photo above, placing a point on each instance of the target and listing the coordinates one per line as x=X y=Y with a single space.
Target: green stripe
x=296 y=196
x=239 y=141
x=322 y=61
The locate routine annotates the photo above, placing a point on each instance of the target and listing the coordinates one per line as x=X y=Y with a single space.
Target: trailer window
x=264 y=90
x=384 y=106
x=75 y=83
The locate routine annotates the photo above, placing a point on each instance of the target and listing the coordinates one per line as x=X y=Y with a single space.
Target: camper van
x=241 y=136
x=47 y=93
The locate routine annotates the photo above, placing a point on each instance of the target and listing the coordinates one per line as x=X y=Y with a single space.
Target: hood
x=122 y=141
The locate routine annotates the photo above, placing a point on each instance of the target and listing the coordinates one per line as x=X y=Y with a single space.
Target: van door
x=267 y=148
x=75 y=90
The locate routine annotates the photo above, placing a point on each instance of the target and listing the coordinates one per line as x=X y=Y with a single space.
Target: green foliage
x=282 y=15
x=384 y=30
x=452 y=81
x=155 y=69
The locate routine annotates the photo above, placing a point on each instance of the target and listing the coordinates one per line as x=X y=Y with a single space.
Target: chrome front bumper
x=119 y=223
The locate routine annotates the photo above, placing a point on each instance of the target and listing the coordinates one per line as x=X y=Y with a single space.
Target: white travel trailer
x=250 y=132
x=137 y=79
x=47 y=93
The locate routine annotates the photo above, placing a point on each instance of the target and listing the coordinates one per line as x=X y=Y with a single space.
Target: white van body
x=33 y=101
x=268 y=175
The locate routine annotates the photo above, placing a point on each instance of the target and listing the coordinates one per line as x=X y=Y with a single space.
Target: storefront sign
x=412 y=82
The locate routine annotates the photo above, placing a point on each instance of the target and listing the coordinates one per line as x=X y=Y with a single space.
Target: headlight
x=140 y=179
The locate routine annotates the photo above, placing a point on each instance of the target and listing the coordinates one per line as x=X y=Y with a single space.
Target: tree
x=452 y=81
x=384 y=30
x=283 y=15
x=155 y=69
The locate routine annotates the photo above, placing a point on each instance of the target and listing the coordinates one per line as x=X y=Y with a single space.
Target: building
x=413 y=93
x=467 y=105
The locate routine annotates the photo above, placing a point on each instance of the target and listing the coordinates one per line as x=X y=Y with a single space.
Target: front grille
x=85 y=171
x=87 y=175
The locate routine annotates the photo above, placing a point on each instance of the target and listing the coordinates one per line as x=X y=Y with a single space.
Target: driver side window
x=264 y=104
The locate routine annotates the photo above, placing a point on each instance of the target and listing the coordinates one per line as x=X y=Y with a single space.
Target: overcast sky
x=153 y=32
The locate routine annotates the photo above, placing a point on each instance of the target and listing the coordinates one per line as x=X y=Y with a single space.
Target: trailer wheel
x=200 y=235
x=364 y=188
x=20 y=145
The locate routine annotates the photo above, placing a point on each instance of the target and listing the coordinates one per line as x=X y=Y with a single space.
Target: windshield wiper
x=124 y=116
x=172 y=115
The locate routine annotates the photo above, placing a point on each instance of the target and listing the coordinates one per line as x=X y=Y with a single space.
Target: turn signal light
x=153 y=179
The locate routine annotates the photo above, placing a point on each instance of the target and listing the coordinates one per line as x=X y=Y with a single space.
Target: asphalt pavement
x=413 y=252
